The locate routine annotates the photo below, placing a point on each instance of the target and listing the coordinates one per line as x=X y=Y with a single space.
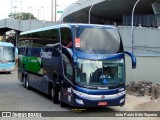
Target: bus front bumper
x=82 y=100
x=7 y=69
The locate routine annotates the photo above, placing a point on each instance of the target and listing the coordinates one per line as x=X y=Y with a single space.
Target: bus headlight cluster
x=122 y=93
x=84 y=95
x=121 y=89
x=79 y=101
x=122 y=100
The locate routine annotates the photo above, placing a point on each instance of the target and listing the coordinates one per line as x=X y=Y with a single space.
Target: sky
x=40 y=8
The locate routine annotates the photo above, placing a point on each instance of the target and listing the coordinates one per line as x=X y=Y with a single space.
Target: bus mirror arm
x=133 y=58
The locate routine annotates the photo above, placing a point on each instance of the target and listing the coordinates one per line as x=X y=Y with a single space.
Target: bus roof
x=69 y=25
x=6 y=44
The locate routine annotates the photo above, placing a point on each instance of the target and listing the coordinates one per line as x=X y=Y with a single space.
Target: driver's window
x=68 y=70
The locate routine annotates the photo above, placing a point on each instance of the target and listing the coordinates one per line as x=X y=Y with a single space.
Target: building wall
x=147 y=52
x=146 y=40
x=148 y=69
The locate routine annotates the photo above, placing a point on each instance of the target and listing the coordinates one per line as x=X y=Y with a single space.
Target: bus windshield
x=7 y=54
x=99 y=73
x=97 y=40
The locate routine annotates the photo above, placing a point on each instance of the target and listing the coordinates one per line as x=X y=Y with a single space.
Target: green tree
x=22 y=16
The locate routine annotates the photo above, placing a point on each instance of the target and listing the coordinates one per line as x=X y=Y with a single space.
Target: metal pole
x=30 y=12
x=11 y=10
x=89 y=15
x=43 y=12
x=132 y=24
x=55 y=10
x=38 y=13
x=52 y=10
x=21 y=11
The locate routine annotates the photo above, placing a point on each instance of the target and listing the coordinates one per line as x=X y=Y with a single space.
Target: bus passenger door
x=68 y=77
x=66 y=41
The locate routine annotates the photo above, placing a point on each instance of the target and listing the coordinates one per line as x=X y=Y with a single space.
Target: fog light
x=122 y=100
x=79 y=101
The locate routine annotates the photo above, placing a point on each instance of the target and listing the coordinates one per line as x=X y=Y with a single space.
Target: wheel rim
x=26 y=82
x=52 y=93
x=59 y=96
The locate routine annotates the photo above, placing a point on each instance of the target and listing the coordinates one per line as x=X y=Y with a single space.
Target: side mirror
x=133 y=58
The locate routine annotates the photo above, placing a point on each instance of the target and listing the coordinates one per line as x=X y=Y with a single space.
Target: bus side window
x=35 y=52
x=1 y=53
x=67 y=66
x=68 y=70
x=26 y=53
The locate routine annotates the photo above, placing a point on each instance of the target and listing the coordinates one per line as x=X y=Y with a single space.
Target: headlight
x=80 y=93
x=121 y=93
x=122 y=100
x=79 y=101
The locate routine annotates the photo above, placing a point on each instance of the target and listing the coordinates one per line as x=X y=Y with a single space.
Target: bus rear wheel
x=26 y=80
x=23 y=80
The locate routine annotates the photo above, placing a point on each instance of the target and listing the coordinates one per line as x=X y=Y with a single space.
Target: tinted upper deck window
x=39 y=38
x=98 y=40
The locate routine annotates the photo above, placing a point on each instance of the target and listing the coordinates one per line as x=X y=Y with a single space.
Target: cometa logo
x=102 y=96
x=46 y=54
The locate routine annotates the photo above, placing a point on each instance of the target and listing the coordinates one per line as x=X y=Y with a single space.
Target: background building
x=110 y=11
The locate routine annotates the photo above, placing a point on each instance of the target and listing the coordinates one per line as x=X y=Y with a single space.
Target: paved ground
x=14 y=97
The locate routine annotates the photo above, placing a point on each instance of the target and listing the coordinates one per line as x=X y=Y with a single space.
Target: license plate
x=102 y=103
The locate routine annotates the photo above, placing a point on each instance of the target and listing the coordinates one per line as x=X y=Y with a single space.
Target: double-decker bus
x=82 y=65
x=7 y=57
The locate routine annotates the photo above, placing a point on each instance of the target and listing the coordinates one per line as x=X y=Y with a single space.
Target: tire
x=26 y=79
x=54 y=95
x=23 y=81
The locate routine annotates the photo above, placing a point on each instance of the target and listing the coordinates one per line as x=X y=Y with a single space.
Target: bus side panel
x=36 y=42
x=35 y=68
x=41 y=68
x=51 y=65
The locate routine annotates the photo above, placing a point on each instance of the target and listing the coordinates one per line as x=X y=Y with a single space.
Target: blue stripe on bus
x=99 y=57
x=98 y=92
